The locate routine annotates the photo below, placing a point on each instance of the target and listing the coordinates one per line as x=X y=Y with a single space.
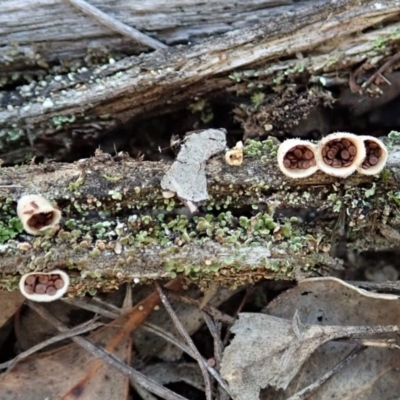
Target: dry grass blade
x=129 y=322
x=97 y=309
x=185 y=335
x=77 y=330
x=150 y=328
x=168 y=337
x=116 y=25
x=304 y=393
x=214 y=312
x=215 y=330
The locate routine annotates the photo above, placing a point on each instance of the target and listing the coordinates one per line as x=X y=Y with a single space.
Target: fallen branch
x=118 y=227
x=50 y=118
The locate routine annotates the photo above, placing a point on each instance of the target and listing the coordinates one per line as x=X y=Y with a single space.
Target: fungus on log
x=257 y=223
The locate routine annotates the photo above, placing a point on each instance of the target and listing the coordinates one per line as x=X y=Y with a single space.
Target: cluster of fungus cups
x=44 y=286
x=339 y=154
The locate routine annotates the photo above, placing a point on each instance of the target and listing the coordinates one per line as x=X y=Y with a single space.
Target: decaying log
x=321 y=39
x=117 y=226
x=44 y=37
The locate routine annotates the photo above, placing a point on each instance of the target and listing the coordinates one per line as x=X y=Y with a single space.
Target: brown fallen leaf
x=373 y=374
x=51 y=374
x=270 y=351
x=71 y=372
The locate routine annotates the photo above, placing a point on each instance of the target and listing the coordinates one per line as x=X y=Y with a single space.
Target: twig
x=99 y=309
x=102 y=354
x=86 y=305
x=214 y=312
x=382 y=69
x=77 y=330
x=185 y=335
x=116 y=25
x=304 y=393
x=147 y=326
x=215 y=330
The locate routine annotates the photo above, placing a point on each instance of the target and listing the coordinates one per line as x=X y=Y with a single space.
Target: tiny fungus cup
x=37 y=214
x=296 y=158
x=340 y=154
x=235 y=155
x=44 y=286
x=376 y=156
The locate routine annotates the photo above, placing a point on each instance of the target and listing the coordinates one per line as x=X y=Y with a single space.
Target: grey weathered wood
x=52 y=30
x=96 y=100
x=114 y=191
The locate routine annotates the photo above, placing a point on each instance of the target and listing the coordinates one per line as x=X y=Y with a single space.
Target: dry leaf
x=373 y=375
x=270 y=351
x=51 y=374
x=71 y=372
x=10 y=302
x=165 y=373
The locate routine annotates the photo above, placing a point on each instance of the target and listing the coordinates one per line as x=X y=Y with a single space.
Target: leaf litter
x=295 y=342
x=71 y=372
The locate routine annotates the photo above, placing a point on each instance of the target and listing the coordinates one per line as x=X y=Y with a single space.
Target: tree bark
x=332 y=38
x=44 y=37
x=117 y=226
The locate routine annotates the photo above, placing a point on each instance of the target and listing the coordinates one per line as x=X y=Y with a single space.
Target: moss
x=10 y=228
x=267 y=148
x=74 y=186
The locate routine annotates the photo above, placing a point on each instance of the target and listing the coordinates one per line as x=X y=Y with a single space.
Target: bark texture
x=75 y=102
x=117 y=225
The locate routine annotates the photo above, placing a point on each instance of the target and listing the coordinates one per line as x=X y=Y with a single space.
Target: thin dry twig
x=382 y=69
x=77 y=330
x=133 y=375
x=172 y=339
x=116 y=25
x=248 y=292
x=87 y=305
x=215 y=330
x=214 y=312
x=185 y=335
x=99 y=309
x=304 y=393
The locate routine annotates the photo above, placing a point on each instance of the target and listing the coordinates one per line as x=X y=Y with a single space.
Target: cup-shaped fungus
x=340 y=154
x=296 y=158
x=235 y=155
x=37 y=214
x=44 y=286
x=376 y=156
